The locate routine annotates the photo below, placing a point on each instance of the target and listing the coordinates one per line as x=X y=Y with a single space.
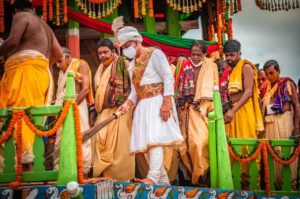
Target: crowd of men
x=162 y=135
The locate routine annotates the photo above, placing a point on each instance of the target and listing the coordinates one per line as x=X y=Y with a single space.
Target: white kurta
x=148 y=128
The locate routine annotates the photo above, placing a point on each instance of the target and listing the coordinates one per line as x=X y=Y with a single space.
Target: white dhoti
x=148 y=128
x=150 y=133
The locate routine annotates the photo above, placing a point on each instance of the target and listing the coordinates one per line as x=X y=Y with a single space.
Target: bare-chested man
x=29 y=49
x=242 y=91
x=84 y=97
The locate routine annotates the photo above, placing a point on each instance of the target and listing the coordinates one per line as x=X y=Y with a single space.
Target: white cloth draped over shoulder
x=148 y=128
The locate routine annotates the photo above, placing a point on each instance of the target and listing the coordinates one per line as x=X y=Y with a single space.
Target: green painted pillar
x=212 y=150
x=68 y=158
x=172 y=19
x=149 y=24
x=72 y=36
x=223 y=166
x=110 y=18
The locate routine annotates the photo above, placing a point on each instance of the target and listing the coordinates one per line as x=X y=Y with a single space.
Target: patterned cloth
x=186 y=84
x=119 y=84
x=282 y=95
x=224 y=78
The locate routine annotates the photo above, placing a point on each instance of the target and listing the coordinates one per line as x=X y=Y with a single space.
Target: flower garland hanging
x=277 y=5
x=16 y=120
x=211 y=32
x=151 y=10
x=65 y=11
x=17 y=183
x=239 y=5
x=78 y=144
x=142 y=8
x=98 y=8
x=293 y=157
x=1 y=15
x=227 y=9
x=230 y=31
x=264 y=147
x=245 y=158
x=44 y=10
x=136 y=8
x=219 y=23
x=186 y=6
x=50 y=15
x=57 y=13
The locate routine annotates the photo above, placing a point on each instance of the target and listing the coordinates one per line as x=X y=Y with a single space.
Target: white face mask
x=197 y=65
x=130 y=52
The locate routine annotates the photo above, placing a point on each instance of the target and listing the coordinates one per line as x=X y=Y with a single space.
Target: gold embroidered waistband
x=150 y=90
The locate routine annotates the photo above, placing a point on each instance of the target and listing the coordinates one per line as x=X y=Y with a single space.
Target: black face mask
x=233 y=64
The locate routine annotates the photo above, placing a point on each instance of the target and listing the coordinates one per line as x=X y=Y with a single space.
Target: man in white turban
x=155 y=122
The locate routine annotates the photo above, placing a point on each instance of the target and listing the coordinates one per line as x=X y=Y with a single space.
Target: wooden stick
x=94 y=130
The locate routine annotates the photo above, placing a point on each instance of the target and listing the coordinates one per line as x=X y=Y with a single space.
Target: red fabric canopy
x=90 y=22
x=168 y=50
x=106 y=28
x=37 y=3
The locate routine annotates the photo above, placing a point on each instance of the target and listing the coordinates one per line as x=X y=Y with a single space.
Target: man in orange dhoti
x=194 y=97
x=27 y=81
x=111 y=144
x=280 y=105
x=84 y=98
x=243 y=115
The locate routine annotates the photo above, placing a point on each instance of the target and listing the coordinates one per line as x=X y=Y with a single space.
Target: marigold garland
x=185 y=6
x=1 y=15
x=58 y=124
x=19 y=114
x=266 y=169
x=265 y=147
x=57 y=13
x=239 y=5
x=278 y=159
x=230 y=31
x=45 y=10
x=231 y=9
x=65 y=2
x=136 y=8
x=50 y=10
x=78 y=144
x=246 y=159
x=143 y=7
x=151 y=12
x=211 y=32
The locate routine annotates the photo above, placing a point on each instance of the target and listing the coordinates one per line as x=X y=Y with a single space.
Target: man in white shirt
x=155 y=122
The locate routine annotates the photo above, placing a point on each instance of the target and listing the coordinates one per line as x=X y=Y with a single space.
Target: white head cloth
x=128 y=33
